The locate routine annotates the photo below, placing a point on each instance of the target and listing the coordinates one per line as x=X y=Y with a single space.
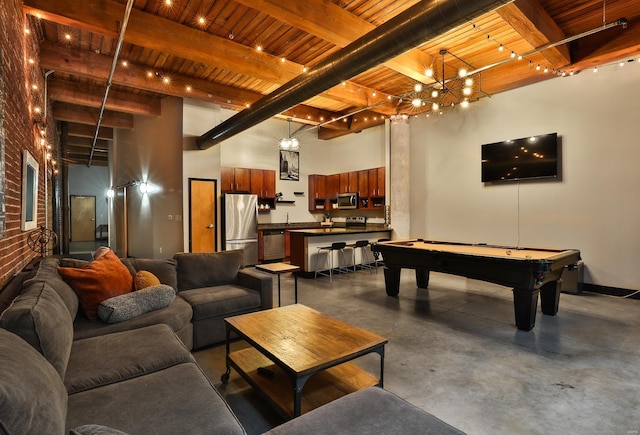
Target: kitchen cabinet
x=263 y=183
x=317 y=192
x=376 y=182
x=348 y=182
x=235 y=179
x=333 y=186
x=363 y=188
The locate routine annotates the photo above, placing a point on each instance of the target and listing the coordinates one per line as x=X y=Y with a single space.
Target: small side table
x=279 y=269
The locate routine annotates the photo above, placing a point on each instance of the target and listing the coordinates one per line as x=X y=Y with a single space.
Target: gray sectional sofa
x=60 y=371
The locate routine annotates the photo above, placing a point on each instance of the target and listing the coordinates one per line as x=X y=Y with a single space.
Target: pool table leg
x=392 y=280
x=422 y=278
x=525 y=303
x=550 y=298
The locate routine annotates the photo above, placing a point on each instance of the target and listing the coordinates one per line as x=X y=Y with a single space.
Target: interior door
x=202 y=212
x=83 y=218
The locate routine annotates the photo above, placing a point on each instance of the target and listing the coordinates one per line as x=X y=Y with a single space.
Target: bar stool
x=376 y=255
x=335 y=246
x=365 y=260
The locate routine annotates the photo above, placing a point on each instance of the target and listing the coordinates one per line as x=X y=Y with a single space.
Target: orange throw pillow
x=99 y=280
x=145 y=279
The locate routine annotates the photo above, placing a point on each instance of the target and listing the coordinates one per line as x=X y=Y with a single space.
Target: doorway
x=202 y=215
x=83 y=218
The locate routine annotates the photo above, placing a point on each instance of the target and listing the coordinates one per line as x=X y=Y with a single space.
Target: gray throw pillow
x=130 y=305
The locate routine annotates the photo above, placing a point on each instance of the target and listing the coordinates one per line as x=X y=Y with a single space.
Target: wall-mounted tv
x=521 y=159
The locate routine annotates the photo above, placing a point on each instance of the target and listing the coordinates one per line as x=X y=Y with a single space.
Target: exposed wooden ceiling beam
x=624 y=44
x=332 y=23
x=85 y=142
x=84 y=115
x=96 y=66
x=536 y=26
x=85 y=94
x=83 y=130
x=359 y=122
x=169 y=37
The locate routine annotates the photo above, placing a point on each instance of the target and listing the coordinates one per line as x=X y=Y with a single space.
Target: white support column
x=399 y=187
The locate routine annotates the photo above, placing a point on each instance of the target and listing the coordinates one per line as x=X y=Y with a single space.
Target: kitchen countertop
x=341 y=230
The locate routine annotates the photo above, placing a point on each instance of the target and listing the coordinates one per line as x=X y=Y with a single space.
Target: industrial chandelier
x=444 y=92
x=289 y=143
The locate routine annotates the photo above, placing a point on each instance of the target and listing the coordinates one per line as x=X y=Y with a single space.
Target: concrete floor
x=454 y=351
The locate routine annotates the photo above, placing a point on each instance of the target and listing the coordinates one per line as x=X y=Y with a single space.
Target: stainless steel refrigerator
x=240 y=225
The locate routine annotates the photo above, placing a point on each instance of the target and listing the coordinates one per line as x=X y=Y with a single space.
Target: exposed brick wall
x=18 y=76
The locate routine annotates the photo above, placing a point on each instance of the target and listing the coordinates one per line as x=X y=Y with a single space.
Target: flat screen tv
x=521 y=159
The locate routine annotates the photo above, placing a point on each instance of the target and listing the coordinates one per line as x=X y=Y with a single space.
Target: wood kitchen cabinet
x=376 y=187
x=333 y=186
x=363 y=188
x=348 y=182
x=235 y=179
x=263 y=183
x=317 y=192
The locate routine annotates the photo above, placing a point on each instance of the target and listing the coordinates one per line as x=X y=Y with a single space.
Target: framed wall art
x=30 y=169
x=289 y=165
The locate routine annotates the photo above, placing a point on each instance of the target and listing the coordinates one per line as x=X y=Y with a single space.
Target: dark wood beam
x=83 y=130
x=84 y=115
x=96 y=66
x=85 y=142
x=335 y=24
x=89 y=95
x=616 y=44
x=355 y=124
x=536 y=26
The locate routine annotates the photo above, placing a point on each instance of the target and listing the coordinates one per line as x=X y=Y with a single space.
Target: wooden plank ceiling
x=234 y=52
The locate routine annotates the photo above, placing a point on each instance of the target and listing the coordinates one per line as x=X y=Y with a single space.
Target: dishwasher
x=274 y=245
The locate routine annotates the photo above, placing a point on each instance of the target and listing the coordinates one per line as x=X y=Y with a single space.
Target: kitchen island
x=305 y=243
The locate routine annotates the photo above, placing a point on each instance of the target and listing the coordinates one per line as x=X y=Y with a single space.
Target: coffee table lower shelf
x=321 y=388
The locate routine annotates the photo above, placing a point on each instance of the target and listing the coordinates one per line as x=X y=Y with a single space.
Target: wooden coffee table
x=295 y=348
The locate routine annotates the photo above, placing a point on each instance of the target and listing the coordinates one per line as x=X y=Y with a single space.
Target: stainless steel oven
x=347 y=200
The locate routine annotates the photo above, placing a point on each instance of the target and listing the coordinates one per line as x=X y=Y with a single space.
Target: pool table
x=527 y=271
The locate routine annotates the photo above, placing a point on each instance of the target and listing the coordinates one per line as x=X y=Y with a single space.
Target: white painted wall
x=257 y=148
x=594 y=208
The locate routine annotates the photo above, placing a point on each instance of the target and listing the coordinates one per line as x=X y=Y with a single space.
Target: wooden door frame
x=215 y=210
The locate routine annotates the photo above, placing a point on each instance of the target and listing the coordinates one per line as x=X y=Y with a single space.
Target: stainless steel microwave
x=347 y=200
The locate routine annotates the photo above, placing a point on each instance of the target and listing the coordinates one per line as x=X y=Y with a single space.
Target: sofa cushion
x=39 y=317
x=221 y=300
x=99 y=361
x=163 y=268
x=32 y=397
x=101 y=279
x=208 y=269
x=184 y=401
x=130 y=305
x=48 y=272
x=176 y=315
x=372 y=410
x=144 y=279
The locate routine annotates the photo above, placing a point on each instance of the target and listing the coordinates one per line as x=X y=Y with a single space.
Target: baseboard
x=611 y=291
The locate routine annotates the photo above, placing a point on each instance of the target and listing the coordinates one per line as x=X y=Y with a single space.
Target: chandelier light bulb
x=434 y=94
x=465 y=103
x=466 y=91
x=416 y=102
x=429 y=72
x=462 y=72
x=468 y=82
x=417 y=87
x=435 y=106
